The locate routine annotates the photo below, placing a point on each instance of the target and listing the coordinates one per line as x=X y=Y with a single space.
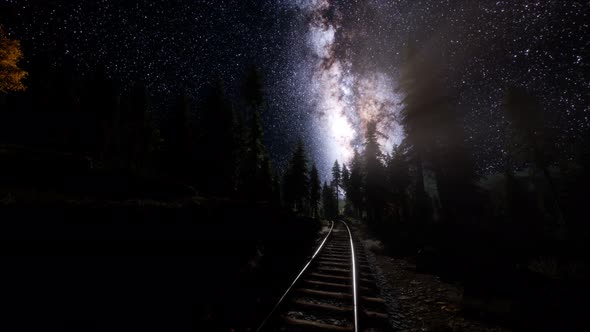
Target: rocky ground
x=419 y=302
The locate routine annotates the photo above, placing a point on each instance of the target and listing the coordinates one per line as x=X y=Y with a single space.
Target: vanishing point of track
x=335 y=291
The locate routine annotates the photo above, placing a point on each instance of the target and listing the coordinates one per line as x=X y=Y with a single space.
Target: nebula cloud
x=346 y=98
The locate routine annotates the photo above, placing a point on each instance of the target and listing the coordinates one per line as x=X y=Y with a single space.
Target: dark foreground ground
x=96 y=249
x=421 y=299
x=218 y=265
x=206 y=265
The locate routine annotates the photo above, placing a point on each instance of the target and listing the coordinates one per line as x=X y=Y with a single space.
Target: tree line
x=426 y=194
x=214 y=144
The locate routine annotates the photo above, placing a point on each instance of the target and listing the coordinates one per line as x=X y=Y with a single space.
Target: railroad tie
x=315 y=325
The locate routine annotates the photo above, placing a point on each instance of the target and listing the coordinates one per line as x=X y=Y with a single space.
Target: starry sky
x=330 y=66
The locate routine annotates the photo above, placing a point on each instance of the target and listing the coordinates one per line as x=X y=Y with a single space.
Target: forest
x=77 y=145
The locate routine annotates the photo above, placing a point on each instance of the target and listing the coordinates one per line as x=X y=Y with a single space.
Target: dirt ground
x=416 y=301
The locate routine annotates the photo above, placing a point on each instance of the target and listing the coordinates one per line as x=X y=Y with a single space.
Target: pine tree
x=314 y=190
x=374 y=189
x=138 y=133
x=450 y=159
x=398 y=179
x=240 y=136
x=329 y=201
x=435 y=142
x=345 y=178
x=276 y=199
x=256 y=174
x=216 y=144
x=297 y=180
x=265 y=175
x=102 y=111
x=253 y=91
x=345 y=186
x=355 y=190
x=175 y=132
x=526 y=121
x=255 y=171
x=336 y=179
x=421 y=103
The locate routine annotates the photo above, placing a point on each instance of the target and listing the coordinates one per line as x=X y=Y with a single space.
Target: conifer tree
x=297 y=180
x=175 y=132
x=256 y=174
x=418 y=117
x=329 y=201
x=354 y=190
x=436 y=141
x=138 y=133
x=374 y=189
x=253 y=91
x=398 y=180
x=345 y=177
x=527 y=128
x=255 y=171
x=336 y=179
x=216 y=144
x=345 y=186
x=276 y=199
x=314 y=190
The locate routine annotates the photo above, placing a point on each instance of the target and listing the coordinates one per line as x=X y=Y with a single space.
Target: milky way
x=345 y=96
x=359 y=47
x=331 y=66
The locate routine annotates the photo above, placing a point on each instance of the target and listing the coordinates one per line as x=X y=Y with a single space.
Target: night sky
x=330 y=66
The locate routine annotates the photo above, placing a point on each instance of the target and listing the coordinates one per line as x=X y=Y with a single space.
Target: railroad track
x=335 y=291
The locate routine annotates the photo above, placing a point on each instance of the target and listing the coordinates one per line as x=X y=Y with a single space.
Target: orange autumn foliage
x=11 y=76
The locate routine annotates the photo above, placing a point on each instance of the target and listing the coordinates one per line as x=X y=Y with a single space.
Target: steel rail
x=354 y=277
x=297 y=279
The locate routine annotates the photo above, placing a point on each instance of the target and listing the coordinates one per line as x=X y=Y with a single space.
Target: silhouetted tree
x=178 y=158
x=297 y=180
x=573 y=196
x=137 y=133
x=345 y=177
x=354 y=192
x=240 y=153
x=256 y=172
x=398 y=177
x=422 y=98
x=253 y=91
x=526 y=121
x=453 y=166
x=336 y=179
x=276 y=199
x=265 y=176
x=216 y=144
x=102 y=115
x=65 y=102
x=329 y=202
x=345 y=185
x=375 y=175
x=314 y=190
